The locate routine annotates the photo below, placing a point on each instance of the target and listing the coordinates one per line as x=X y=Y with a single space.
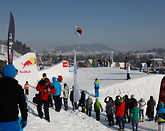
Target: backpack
x=36 y=98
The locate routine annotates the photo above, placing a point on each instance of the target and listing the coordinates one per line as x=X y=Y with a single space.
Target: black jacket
x=11 y=97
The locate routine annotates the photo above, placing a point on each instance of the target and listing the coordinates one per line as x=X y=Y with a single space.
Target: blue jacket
x=96 y=83
x=160 y=116
x=57 y=86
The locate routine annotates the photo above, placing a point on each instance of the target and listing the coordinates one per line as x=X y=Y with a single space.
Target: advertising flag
x=76 y=89
x=162 y=91
x=11 y=38
x=111 y=57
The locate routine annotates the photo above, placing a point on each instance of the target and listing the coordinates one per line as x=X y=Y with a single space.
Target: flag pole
x=11 y=39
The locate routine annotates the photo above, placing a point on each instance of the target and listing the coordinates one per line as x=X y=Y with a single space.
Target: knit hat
x=136 y=104
x=46 y=80
x=9 y=71
x=161 y=105
x=120 y=100
x=132 y=96
x=60 y=78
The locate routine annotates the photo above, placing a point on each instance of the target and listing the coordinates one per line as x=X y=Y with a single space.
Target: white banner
x=76 y=89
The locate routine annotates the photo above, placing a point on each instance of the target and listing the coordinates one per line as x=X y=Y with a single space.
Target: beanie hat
x=121 y=100
x=161 y=105
x=132 y=96
x=136 y=104
x=46 y=80
x=60 y=78
x=9 y=71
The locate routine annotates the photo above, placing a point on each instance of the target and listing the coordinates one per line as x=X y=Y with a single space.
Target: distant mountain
x=94 y=48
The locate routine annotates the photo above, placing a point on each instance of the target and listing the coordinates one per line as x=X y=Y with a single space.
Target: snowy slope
x=112 y=83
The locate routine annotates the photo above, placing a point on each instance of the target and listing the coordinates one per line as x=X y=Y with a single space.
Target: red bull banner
x=11 y=38
x=162 y=91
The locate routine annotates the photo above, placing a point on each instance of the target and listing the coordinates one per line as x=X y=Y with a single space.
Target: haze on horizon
x=123 y=25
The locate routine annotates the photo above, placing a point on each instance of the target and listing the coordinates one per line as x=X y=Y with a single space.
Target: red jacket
x=120 y=109
x=44 y=95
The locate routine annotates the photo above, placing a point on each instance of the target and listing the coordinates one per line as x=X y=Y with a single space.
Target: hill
x=94 y=48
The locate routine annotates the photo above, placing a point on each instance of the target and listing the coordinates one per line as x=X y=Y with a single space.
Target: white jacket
x=142 y=104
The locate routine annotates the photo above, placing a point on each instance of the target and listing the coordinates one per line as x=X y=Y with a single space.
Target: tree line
x=18 y=47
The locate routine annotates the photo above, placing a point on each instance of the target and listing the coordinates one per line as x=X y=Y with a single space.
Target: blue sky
x=120 y=24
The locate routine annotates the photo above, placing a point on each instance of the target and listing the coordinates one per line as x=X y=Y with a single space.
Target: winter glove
x=23 y=124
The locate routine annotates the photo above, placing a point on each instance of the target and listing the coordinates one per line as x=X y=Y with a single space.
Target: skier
x=26 y=87
x=142 y=104
x=79 y=30
x=97 y=107
x=120 y=114
x=160 y=117
x=96 y=86
x=66 y=94
x=150 y=108
x=88 y=105
x=12 y=99
x=82 y=100
x=56 y=96
x=45 y=88
x=135 y=116
x=110 y=109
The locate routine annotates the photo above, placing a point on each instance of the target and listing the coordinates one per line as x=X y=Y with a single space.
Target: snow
x=112 y=82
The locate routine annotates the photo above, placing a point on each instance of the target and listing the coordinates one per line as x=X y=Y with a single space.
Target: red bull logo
x=29 y=62
x=65 y=64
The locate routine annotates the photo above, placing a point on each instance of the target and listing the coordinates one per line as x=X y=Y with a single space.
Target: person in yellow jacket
x=26 y=87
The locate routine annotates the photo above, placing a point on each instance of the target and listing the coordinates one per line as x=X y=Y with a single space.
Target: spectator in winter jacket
x=82 y=100
x=97 y=107
x=132 y=102
x=60 y=79
x=117 y=104
x=135 y=117
x=26 y=87
x=88 y=105
x=126 y=111
x=66 y=94
x=45 y=88
x=142 y=104
x=148 y=66
x=150 y=108
x=96 y=85
x=110 y=109
x=12 y=99
x=160 y=117
x=131 y=105
x=50 y=95
x=74 y=104
x=56 y=96
x=128 y=71
x=120 y=114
